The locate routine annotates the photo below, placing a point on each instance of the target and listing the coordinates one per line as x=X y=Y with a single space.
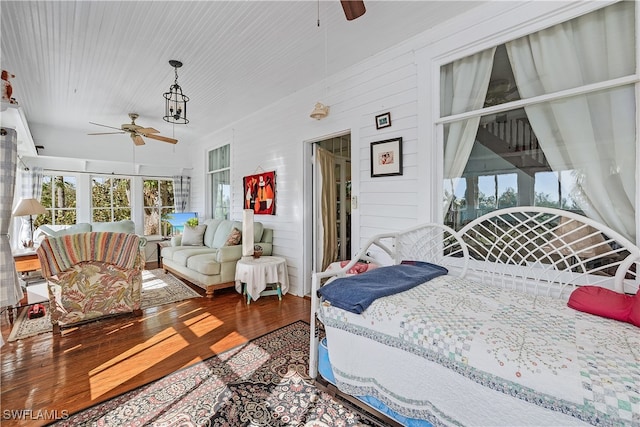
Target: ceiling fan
x=353 y=8
x=135 y=131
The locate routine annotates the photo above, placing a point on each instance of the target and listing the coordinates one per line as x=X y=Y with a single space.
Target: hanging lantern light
x=175 y=101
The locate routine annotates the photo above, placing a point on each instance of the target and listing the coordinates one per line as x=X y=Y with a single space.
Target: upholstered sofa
x=124 y=226
x=91 y=275
x=210 y=261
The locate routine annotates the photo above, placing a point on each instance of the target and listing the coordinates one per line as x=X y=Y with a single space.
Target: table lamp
x=28 y=207
x=247 y=232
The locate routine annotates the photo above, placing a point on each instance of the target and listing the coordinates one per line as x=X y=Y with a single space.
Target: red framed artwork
x=260 y=193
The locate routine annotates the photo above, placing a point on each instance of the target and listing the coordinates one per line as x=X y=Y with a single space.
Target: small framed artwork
x=386 y=157
x=383 y=120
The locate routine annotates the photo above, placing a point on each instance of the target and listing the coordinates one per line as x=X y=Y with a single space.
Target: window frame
x=112 y=209
x=438 y=123
x=226 y=208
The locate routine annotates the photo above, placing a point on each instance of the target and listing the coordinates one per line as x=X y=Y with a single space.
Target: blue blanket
x=356 y=293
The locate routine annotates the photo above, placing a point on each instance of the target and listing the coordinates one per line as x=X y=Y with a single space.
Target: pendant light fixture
x=175 y=101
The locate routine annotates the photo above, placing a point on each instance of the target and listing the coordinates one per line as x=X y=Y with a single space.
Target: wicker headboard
x=532 y=249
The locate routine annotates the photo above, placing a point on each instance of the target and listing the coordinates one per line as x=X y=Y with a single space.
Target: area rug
x=261 y=383
x=158 y=288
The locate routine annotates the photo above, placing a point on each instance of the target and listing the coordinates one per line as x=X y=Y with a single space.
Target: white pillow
x=193 y=236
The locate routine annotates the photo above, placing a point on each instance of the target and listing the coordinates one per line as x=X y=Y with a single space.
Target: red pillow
x=605 y=303
x=634 y=314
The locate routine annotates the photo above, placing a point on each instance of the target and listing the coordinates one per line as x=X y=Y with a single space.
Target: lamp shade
x=29 y=207
x=247 y=232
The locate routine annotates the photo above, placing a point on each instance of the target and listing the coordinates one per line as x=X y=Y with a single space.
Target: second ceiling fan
x=136 y=131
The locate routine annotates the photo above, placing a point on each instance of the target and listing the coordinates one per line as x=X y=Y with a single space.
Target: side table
x=257 y=273
x=26 y=261
x=161 y=244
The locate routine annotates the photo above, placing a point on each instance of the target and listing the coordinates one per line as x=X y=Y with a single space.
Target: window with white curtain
x=553 y=115
x=219 y=171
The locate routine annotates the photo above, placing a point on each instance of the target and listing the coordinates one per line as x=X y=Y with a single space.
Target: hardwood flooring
x=47 y=376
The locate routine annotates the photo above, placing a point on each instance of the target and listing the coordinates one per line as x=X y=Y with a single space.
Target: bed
x=492 y=340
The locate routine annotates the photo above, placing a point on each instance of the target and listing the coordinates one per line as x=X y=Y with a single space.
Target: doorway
x=332 y=200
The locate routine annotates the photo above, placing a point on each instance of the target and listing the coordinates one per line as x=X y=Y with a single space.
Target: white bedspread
x=511 y=357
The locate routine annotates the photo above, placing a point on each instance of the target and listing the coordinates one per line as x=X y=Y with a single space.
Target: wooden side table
x=257 y=273
x=26 y=261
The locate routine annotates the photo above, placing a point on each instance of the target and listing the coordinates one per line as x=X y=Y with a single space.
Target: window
x=110 y=199
x=158 y=202
x=59 y=198
x=219 y=178
x=543 y=120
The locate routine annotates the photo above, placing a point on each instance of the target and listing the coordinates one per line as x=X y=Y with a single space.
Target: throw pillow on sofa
x=193 y=236
x=234 y=237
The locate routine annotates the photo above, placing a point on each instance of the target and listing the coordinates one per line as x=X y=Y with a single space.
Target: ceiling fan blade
x=162 y=138
x=105 y=133
x=353 y=8
x=137 y=139
x=145 y=131
x=98 y=124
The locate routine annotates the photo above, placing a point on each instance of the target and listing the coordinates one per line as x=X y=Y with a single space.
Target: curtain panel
x=10 y=290
x=592 y=135
x=181 y=192
x=464 y=87
x=328 y=207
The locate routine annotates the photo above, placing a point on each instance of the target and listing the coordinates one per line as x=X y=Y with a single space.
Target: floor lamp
x=28 y=207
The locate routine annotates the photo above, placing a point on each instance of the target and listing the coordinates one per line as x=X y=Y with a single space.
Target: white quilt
x=459 y=353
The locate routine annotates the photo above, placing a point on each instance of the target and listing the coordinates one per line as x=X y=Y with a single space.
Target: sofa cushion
x=193 y=236
x=124 y=226
x=181 y=257
x=204 y=264
x=212 y=226
x=223 y=230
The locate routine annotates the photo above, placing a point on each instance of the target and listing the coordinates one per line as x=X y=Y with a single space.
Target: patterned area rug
x=261 y=383
x=158 y=288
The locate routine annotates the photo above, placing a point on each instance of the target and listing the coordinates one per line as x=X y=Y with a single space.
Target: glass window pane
x=219 y=158
x=221 y=194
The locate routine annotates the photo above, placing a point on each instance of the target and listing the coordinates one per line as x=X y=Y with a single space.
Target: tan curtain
x=328 y=204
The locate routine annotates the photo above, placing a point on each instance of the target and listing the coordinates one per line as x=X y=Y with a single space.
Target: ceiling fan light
x=320 y=111
x=175 y=110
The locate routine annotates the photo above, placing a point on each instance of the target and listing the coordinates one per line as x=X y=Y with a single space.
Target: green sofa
x=211 y=262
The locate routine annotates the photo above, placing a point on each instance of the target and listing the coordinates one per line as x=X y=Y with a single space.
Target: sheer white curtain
x=464 y=86
x=181 y=192
x=592 y=135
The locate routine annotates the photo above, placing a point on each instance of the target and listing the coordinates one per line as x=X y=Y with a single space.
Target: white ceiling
x=95 y=61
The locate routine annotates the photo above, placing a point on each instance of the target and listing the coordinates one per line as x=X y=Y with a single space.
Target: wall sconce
x=320 y=111
x=175 y=110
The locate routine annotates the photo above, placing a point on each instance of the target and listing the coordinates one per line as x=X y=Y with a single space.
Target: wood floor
x=47 y=376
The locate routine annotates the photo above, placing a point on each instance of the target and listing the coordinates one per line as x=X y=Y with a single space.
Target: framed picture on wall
x=386 y=157
x=260 y=193
x=383 y=120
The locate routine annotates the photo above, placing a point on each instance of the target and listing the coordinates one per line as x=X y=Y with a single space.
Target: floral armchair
x=91 y=275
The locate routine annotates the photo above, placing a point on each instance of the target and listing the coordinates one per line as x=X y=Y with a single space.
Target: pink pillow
x=634 y=314
x=606 y=303
x=359 y=267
